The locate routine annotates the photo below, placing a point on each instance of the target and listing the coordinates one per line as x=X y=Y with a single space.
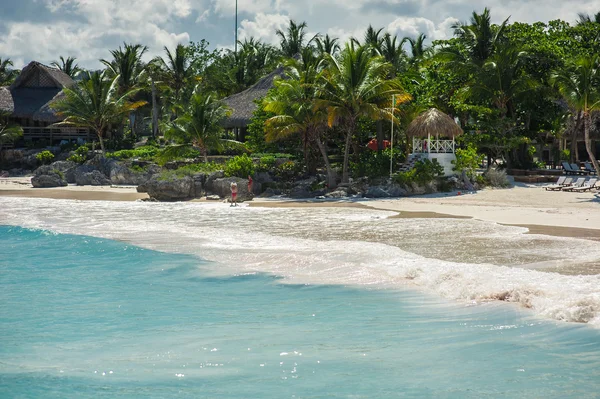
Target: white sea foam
x=464 y=260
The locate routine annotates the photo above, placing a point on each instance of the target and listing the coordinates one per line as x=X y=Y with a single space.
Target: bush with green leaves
x=239 y=166
x=44 y=157
x=190 y=170
x=80 y=155
x=467 y=160
x=266 y=163
x=145 y=153
x=496 y=178
x=288 y=170
x=376 y=164
x=423 y=172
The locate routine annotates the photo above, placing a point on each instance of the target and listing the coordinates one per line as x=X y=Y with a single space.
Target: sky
x=43 y=30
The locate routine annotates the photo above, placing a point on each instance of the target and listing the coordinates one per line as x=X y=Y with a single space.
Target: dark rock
x=208 y=184
x=142 y=188
x=67 y=168
x=51 y=179
x=199 y=180
x=222 y=188
x=299 y=192
x=122 y=173
x=91 y=178
x=171 y=190
x=377 y=192
x=270 y=192
x=340 y=192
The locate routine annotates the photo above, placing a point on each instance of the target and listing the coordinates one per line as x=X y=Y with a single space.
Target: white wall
x=444 y=159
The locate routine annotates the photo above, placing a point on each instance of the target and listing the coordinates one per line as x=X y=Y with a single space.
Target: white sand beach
x=529 y=205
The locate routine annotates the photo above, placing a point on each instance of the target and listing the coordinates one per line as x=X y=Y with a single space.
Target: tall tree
x=96 y=103
x=199 y=126
x=292 y=41
x=374 y=40
x=7 y=74
x=293 y=102
x=588 y=19
x=579 y=84
x=355 y=85
x=417 y=47
x=68 y=66
x=480 y=36
x=327 y=45
x=127 y=65
x=178 y=69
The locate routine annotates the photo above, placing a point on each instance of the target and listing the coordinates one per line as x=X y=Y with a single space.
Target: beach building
x=28 y=101
x=243 y=104
x=433 y=137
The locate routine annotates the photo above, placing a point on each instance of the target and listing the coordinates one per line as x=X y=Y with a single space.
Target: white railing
x=433 y=146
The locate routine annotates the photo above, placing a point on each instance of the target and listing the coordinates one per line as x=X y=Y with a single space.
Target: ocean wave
x=463 y=260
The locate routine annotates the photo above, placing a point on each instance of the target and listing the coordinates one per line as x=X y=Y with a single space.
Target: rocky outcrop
x=53 y=178
x=210 y=179
x=222 y=188
x=91 y=178
x=172 y=189
x=132 y=175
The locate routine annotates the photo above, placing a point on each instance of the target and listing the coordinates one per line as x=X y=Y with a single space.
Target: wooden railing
x=53 y=133
x=433 y=146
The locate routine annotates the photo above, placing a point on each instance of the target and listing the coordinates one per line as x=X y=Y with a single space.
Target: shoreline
x=560 y=214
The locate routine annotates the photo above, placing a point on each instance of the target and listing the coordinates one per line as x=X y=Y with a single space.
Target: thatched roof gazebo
x=433 y=123
x=242 y=104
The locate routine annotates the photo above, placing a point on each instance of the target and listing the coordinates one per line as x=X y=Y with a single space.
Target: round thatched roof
x=435 y=123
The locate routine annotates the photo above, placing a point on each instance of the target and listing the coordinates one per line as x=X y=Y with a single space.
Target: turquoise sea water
x=84 y=317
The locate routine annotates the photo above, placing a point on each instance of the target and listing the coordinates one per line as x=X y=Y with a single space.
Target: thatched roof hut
x=242 y=104
x=433 y=123
x=30 y=95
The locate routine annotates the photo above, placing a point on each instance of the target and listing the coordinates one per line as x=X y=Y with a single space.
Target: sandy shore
x=543 y=212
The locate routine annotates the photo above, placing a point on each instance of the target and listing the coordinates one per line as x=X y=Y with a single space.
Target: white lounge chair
x=579 y=183
x=587 y=186
x=558 y=185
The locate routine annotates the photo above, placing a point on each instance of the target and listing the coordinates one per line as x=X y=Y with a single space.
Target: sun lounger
x=579 y=183
x=578 y=170
x=559 y=183
x=587 y=186
x=589 y=168
x=568 y=169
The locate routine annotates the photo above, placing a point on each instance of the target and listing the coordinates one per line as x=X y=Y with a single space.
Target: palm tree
x=9 y=132
x=95 y=103
x=392 y=51
x=588 y=19
x=354 y=85
x=327 y=45
x=199 y=126
x=373 y=39
x=127 y=64
x=293 y=103
x=480 y=36
x=292 y=41
x=417 y=47
x=68 y=66
x=177 y=68
x=579 y=84
x=7 y=75
x=252 y=61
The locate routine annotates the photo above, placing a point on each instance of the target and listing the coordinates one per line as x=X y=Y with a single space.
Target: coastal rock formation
x=53 y=178
x=66 y=168
x=171 y=190
x=209 y=181
x=121 y=173
x=221 y=187
x=91 y=178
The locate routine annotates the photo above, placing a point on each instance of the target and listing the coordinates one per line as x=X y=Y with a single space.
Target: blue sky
x=42 y=30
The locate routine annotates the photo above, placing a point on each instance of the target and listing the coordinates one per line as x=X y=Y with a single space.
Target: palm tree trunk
x=588 y=143
x=349 y=134
x=154 y=112
x=574 y=150
x=379 y=135
x=101 y=142
x=205 y=153
x=330 y=176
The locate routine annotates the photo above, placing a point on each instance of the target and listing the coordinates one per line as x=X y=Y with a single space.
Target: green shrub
x=424 y=171
x=239 y=166
x=145 y=153
x=266 y=163
x=190 y=170
x=467 y=160
x=376 y=164
x=80 y=155
x=45 y=157
x=288 y=171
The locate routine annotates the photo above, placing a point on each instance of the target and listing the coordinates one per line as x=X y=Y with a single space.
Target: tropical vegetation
x=521 y=92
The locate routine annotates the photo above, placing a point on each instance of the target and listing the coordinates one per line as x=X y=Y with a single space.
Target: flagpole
x=236 y=32
x=392 y=137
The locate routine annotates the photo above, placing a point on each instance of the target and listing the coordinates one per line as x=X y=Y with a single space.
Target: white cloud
x=412 y=27
x=264 y=27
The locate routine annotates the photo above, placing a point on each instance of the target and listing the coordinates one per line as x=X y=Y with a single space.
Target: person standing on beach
x=234 y=190
x=250 y=184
